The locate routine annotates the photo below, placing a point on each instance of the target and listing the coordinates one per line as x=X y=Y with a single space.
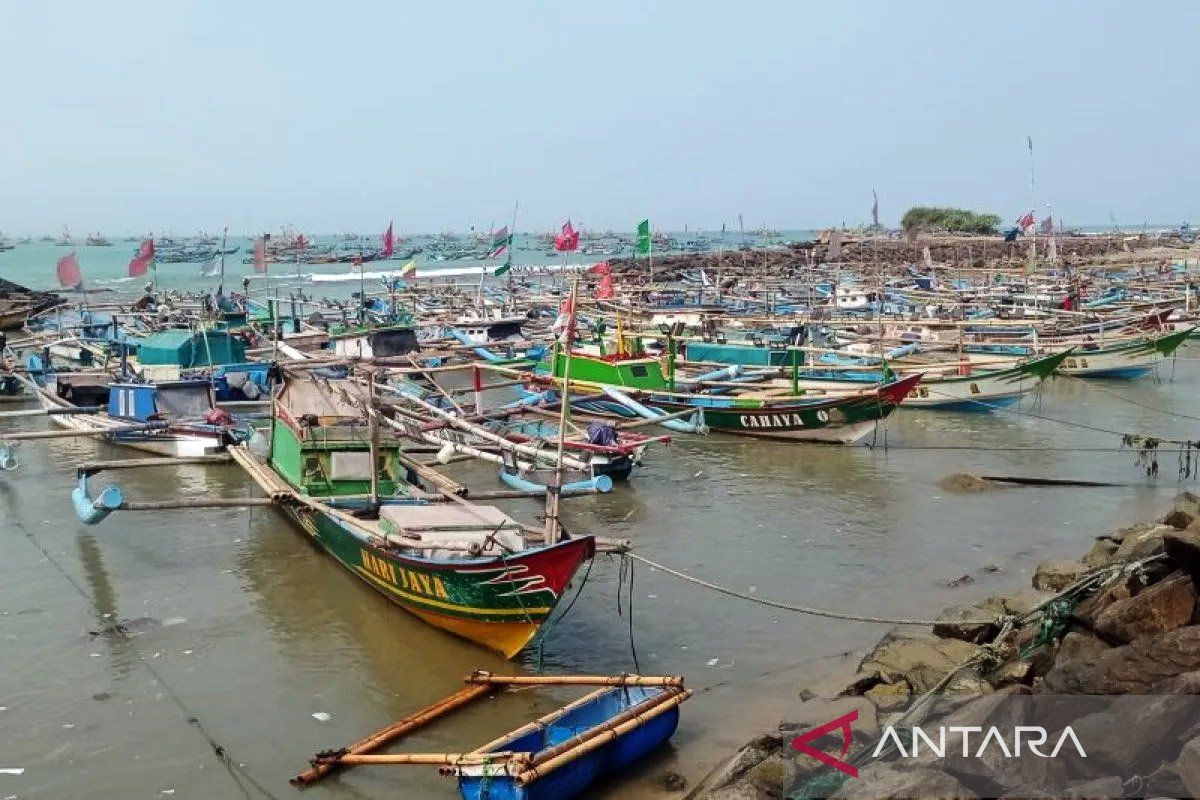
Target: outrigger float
x=555 y=757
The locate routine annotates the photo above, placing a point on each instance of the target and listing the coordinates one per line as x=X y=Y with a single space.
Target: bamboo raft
x=555 y=757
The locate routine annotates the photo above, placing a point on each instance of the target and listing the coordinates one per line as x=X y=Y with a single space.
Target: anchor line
x=236 y=771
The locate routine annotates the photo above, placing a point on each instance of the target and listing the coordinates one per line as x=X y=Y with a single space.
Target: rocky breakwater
x=1107 y=645
x=796 y=260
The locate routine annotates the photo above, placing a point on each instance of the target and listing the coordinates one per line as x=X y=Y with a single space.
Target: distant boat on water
x=97 y=240
x=65 y=239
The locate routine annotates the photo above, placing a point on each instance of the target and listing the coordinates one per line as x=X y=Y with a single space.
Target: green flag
x=642 y=248
x=506 y=266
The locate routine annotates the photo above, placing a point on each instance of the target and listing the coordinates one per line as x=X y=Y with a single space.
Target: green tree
x=953 y=220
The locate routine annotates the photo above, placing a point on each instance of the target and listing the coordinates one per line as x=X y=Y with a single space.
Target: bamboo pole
x=203 y=502
x=397 y=729
x=600 y=738
x=131 y=463
x=435 y=759
x=483 y=677
x=21 y=437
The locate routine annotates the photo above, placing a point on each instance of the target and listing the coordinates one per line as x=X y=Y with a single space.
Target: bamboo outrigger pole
x=396 y=730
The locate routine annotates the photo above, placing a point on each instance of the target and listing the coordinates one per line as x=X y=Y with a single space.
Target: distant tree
x=954 y=220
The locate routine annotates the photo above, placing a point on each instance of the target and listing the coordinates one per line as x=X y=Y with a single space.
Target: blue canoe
x=558 y=756
x=620 y=724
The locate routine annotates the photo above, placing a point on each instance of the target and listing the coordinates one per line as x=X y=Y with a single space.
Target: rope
x=815 y=612
x=1122 y=398
x=236 y=771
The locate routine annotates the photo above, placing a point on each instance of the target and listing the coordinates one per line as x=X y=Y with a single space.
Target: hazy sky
x=175 y=116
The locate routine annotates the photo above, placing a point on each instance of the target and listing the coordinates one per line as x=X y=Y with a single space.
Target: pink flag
x=604 y=290
x=564 y=324
x=69 y=274
x=600 y=268
x=301 y=242
x=260 y=254
x=1026 y=222
x=568 y=240
x=143 y=259
x=357 y=261
x=389 y=242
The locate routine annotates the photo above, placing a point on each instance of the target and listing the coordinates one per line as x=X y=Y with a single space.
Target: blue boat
x=586 y=720
x=555 y=757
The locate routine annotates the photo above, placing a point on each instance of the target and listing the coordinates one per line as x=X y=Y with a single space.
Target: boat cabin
x=321 y=442
x=378 y=343
x=190 y=400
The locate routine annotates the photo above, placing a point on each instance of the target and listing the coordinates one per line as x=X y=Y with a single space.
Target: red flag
x=389 y=241
x=604 y=290
x=568 y=240
x=600 y=268
x=143 y=259
x=357 y=261
x=301 y=242
x=260 y=254
x=1026 y=222
x=69 y=274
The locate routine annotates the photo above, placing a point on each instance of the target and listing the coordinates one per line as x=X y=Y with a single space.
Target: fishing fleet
x=348 y=415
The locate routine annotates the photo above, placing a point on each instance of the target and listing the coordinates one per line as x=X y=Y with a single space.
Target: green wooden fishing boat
x=778 y=413
x=464 y=568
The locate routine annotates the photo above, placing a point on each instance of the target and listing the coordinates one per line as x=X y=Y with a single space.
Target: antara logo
x=1032 y=737
x=842 y=723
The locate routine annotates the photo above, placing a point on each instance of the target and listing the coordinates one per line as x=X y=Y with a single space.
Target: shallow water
x=240 y=624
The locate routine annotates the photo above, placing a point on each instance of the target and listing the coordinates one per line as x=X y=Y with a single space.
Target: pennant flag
x=389 y=241
x=642 y=247
x=143 y=259
x=874 y=209
x=506 y=266
x=301 y=242
x=501 y=241
x=1048 y=226
x=69 y=274
x=1025 y=222
x=600 y=268
x=568 y=240
x=260 y=254
x=409 y=269
x=357 y=262
x=209 y=268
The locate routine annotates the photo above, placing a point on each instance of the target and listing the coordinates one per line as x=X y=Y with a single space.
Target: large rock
x=1184 y=511
x=1087 y=611
x=1096 y=789
x=1135 y=734
x=917 y=657
x=1188 y=766
x=961 y=622
x=1143 y=544
x=1161 y=607
x=731 y=780
x=1054 y=576
x=1183 y=548
x=884 y=781
x=1085 y=666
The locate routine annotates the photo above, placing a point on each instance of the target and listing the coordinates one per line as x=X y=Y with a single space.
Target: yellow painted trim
x=519 y=612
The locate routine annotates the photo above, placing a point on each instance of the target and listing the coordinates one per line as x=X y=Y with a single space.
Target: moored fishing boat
x=782 y=413
x=463 y=568
x=173 y=418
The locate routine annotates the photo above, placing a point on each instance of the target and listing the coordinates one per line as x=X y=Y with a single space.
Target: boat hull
x=844 y=420
x=162 y=443
x=499 y=603
x=575 y=777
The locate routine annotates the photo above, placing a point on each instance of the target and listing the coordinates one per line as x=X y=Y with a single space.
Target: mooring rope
x=809 y=610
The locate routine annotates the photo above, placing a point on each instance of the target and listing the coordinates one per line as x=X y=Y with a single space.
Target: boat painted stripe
x=495 y=612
